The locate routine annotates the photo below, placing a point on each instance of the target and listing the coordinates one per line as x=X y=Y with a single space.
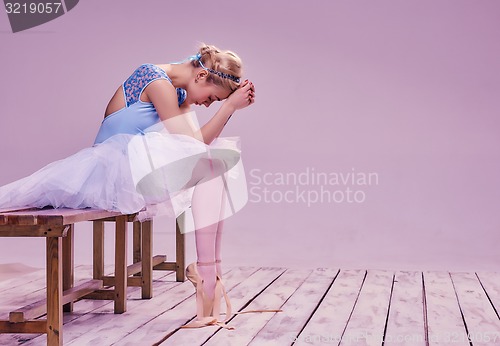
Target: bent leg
x=206 y=207
x=218 y=239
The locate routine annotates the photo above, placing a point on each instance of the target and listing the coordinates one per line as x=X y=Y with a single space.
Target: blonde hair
x=222 y=61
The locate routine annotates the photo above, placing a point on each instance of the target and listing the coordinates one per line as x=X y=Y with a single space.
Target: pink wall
x=404 y=89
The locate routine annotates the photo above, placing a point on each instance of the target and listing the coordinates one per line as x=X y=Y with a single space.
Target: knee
x=212 y=166
x=217 y=166
x=207 y=168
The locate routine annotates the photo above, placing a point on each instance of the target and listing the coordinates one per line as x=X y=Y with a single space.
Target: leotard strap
x=140 y=79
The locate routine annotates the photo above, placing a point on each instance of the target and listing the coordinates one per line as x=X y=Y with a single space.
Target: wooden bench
x=57 y=226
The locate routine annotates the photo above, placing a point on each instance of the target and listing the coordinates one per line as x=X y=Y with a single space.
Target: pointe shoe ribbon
x=219 y=288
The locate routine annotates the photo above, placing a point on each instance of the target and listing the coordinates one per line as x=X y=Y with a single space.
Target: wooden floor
x=321 y=306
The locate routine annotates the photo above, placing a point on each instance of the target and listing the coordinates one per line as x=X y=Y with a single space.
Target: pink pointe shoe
x=203 y=305
x=208 y=311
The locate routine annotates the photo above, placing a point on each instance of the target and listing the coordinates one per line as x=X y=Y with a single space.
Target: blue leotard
x=137 y=115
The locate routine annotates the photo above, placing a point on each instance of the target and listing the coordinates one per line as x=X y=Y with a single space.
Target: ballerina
x=150 y=157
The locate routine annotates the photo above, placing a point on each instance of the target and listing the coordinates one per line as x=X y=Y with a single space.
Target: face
x=204 y=93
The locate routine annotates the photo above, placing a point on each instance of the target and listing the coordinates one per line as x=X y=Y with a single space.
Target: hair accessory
x=197 y=57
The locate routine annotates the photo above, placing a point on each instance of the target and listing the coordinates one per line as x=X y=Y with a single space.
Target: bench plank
x=5 y=210
x=33 y=231
x=54 y=217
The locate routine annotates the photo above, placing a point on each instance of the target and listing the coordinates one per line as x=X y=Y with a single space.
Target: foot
x=204 y=303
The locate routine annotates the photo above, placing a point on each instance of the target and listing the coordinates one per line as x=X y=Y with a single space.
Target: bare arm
x=164 y=98
x=237 y=100
x=214 y=126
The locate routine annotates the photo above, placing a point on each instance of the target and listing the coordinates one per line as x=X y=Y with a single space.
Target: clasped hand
x=242 y=97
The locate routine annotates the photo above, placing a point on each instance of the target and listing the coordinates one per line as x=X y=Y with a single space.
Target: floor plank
x=445 y=325
x=319 y=306
x=97 y=324
x=491 y=284
x=284 y=327
x=406 y=325
x=34 y=290
x=242 y=287
x=482 y=323
x=367 y=322
x=140 y=315
x=16 y=280
x=328 y=322
x=273 y=297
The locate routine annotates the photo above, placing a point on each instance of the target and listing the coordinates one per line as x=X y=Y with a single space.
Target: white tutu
x=144 y=173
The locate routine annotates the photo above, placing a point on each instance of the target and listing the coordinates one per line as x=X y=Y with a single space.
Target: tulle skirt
x=147 y=174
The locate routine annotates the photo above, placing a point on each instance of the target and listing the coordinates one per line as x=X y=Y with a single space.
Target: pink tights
x=207 y=206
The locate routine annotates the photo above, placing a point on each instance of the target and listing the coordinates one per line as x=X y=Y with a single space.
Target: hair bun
x=225 y=61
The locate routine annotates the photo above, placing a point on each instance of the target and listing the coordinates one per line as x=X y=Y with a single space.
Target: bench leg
x=180 y=254
x=137 y=243
x=98 y=254
x=54 y=291
x=147 y=260
x=121 y=264
x=68 y=265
